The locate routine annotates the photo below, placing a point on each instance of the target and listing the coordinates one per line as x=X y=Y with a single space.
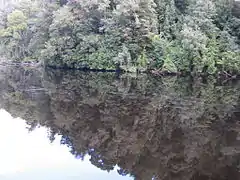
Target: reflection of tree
x=167 y=128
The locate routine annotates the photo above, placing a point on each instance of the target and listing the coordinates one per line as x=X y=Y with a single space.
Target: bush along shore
x=162 y=37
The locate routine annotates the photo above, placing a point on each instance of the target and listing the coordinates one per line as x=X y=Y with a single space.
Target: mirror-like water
x=29 y=155
x=76 y=125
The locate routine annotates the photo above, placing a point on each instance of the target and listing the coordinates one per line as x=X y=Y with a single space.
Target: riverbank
x=223 y=76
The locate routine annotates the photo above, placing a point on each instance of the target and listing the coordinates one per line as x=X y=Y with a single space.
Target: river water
x=84 y=125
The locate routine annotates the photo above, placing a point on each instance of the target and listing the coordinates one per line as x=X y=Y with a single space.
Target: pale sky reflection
x=27 y=156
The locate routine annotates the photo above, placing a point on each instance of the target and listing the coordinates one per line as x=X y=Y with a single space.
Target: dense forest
x=193 y=36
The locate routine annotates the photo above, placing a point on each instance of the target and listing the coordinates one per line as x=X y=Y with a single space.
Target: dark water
x=76 y=125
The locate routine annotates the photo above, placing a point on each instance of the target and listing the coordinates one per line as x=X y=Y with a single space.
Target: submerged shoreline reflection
x=30 y=155
x=166 y=129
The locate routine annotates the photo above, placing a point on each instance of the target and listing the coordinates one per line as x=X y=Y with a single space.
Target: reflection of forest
x=166 y=129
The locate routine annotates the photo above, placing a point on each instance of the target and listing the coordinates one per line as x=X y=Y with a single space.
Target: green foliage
x=25 y=30
x=14 y=33
x=230 y=61
x=170 y=35
x=168 y=65
x=142 y=59
x=17 y=21
x=155 y=52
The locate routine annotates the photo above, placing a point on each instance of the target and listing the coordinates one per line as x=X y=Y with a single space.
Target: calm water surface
x=76 y=125
x=30 y=155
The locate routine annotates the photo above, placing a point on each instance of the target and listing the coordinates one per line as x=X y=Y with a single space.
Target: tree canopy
x=194 y=36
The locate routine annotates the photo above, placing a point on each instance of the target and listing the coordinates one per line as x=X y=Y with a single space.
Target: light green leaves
x=17 y=21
